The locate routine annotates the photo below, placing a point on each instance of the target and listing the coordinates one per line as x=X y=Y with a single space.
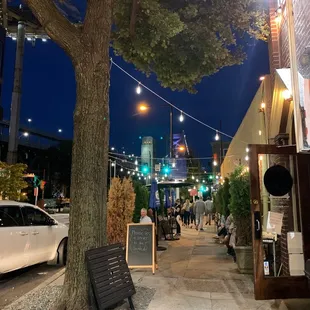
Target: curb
x=47 y=282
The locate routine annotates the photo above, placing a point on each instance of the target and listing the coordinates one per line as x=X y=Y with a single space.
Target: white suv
x=29 y=236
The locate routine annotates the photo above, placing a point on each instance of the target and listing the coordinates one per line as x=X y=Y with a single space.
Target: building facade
x=270 y=121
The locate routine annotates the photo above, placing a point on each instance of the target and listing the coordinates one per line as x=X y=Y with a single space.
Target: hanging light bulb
x=247 y=158
x=181 y=117
x=138 y=89
x=137 y=169
x=128 y=172
x=217 y=136
x=193 y=177
x=136 y=162
x=214 y=163
x=197 y=180
x=122 y=169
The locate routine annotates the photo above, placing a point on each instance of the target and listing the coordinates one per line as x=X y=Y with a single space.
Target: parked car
x=29 y=236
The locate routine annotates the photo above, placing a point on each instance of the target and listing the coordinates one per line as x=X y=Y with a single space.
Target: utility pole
x=171 y=132
x=16 y=96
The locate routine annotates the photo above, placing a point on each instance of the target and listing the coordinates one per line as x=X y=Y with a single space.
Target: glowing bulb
x=260 y=132
x=137 y=169
x=263 y=105
x=247 y=150
x=112 y=148
x=214 y=163
x=261 y=157
x=59 y=130
x=181 y=117
x=193 y=177
x=25 y=134
x=217 y=136
x=128 y=172
x=247 y=158
x=197 y=180
x=122 y=169
x=138 y=89
x=136 y=162
x=44 y=40
x=14 y=38
x=261 y=78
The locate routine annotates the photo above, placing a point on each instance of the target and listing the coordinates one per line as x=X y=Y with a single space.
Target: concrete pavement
x=194 y=273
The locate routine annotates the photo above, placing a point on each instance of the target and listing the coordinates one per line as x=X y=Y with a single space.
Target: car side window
x=35 y=217
x=10 y=216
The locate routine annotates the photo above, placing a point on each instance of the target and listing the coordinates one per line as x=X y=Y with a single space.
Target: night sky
x=49 y=97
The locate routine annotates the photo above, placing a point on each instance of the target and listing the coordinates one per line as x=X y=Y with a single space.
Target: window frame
x=21 y=216
x=24 y=212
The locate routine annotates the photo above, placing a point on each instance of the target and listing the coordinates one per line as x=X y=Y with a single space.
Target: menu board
x=140 y=246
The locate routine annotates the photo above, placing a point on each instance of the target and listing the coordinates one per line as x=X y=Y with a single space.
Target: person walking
x=200 y=210
x=209 y=208
x=186 y=208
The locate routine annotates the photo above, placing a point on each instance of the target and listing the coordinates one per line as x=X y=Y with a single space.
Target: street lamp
x=143 y=107
x=24 y=134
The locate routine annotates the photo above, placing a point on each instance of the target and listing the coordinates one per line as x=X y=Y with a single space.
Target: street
x=61 y=218
x=15 y=284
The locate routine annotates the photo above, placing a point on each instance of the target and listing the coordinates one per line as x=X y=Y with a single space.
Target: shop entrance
x=280 y=203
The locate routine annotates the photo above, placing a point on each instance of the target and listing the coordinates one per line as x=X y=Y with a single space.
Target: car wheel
x=62 y=253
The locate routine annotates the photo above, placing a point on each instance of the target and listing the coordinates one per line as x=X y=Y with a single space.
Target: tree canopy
x=183 y=41
x=12 y=181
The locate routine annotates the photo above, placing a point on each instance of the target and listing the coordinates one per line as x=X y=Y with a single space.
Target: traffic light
x=166 y=169
x=145 y=169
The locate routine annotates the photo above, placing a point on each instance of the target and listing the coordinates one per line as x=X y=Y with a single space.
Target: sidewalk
x=194 y=273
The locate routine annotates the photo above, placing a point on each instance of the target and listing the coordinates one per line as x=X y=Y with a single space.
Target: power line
x=170 y=104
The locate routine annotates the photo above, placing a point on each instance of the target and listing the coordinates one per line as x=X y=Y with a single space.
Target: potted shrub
x=240 y=209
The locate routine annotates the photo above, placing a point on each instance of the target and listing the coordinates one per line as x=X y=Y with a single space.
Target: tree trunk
x=89 y=177
x=89 y=163
x=88 y=48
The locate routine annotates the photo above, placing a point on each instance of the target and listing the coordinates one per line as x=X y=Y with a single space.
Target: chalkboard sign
x=140 y=247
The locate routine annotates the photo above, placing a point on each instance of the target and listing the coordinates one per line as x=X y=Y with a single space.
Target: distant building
x=148 y=153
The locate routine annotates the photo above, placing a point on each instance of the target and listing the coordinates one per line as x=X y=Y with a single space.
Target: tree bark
x=88 y=48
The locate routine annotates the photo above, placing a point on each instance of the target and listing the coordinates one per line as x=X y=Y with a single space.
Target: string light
x=214 y=163
x=217 y=136
x=122 y=169
x=138 y=89
x=181 y=117
x=247 y=158
x=169 y=103
x=247 y=150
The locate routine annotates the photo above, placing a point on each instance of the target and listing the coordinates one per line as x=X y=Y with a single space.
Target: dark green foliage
x=142 y=200
x=222 y=199
x=182 y=41
x=240 y=206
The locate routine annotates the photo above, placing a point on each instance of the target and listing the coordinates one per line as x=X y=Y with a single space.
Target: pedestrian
x=200 y=210
x=209 y=209
x=192 y=214
x=144 y=219
x=186 y=208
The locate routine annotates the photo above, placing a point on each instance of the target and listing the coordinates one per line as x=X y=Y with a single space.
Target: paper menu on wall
x=274 y=222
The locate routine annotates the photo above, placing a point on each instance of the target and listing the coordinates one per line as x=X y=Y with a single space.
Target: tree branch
x=133 y=17
x=57 y=26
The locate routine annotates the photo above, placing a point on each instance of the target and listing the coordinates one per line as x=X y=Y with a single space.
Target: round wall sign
x=278 y=181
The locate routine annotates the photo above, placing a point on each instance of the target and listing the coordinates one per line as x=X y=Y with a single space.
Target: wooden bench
x=110 y=277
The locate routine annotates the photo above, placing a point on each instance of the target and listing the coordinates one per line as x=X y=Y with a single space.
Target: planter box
x=244 y=256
